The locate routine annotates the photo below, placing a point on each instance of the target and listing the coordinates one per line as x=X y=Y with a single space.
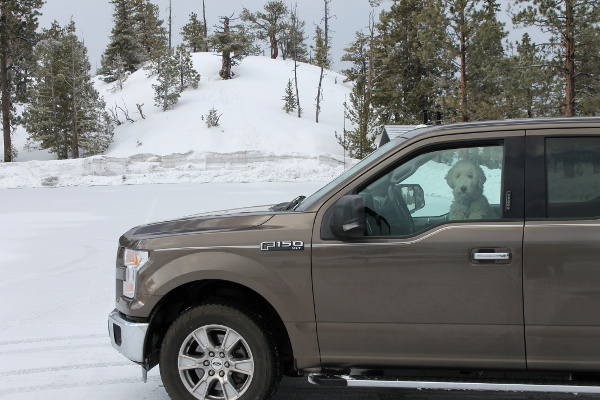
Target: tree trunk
x=205 y=27
x=319 y=90
x=296 y=84
x=5 y=89
x=463 y=78
x=274 y=46
x=569 y=61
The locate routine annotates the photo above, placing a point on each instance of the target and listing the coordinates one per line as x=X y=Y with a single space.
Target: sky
x=93 y=19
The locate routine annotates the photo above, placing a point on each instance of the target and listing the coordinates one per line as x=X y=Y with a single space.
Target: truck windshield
x=310 y=200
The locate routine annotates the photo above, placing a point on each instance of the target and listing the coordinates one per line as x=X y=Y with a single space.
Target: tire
x=219 y=352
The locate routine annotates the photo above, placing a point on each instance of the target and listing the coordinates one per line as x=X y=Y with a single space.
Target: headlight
x=133 y=260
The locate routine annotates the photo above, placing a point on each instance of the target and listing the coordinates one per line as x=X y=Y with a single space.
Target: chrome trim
x=133 y=336
x=491 y=256
x=505 y=387
x=417 y=240
x=482 y=386
x=255 y=246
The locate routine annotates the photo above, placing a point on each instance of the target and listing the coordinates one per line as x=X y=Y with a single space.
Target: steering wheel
x=401 y=209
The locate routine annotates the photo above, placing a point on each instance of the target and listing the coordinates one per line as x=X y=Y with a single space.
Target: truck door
x=437 y=284
x=562 y=250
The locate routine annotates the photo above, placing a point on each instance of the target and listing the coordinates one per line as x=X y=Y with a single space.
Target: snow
x=252 y=119
x=58 y=280
x=61 y=226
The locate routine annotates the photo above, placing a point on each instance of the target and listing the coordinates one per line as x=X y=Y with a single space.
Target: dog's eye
x=471 y=176
x=457 y=175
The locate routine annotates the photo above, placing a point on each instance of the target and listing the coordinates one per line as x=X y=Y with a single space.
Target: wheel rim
x=216 y=363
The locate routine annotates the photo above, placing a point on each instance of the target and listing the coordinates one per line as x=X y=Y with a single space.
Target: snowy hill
x=256 y=139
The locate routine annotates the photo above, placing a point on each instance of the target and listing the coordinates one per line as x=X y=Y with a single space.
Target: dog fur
x=466 y=180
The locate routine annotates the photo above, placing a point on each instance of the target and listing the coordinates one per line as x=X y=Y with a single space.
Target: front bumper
x=127 y=337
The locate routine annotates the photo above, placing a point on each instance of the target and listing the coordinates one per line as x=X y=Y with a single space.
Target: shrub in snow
x=212 y=119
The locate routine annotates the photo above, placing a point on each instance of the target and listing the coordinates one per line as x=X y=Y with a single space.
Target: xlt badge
x=282 y=246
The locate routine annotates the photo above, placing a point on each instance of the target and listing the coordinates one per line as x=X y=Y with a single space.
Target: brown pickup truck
x=464 y=256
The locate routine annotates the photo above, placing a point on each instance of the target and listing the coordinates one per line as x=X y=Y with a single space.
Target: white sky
x=93 y=19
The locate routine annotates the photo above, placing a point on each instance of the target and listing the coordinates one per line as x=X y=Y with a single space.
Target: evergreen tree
x=188 y=76
x=168 y=89
x=575 y=34
x=66 y=114
x=234 y=43
x=193 y=34
x=359 y=141
x=151 y=34
x=322 y=49
x=295 y=47
x=293 y=40
x=212 y=119
x=289 y=98
x=530 y=86
x=18 y=23
x=124 y=39
x=411 y=67
x=269 y=24
x=475 y=43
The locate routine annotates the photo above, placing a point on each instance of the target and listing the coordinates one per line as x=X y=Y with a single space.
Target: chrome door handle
x=491 y=256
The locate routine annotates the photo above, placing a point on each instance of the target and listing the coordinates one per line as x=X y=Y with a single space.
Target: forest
x=433 y=61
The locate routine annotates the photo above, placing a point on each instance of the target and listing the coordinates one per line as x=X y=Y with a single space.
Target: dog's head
x=466 y=180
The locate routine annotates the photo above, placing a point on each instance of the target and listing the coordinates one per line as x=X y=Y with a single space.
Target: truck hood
x=227 y=220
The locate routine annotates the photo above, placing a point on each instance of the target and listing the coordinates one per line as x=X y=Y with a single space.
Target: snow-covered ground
x=58 y=248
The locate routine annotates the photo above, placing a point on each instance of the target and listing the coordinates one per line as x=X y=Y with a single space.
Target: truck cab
x=462 y=256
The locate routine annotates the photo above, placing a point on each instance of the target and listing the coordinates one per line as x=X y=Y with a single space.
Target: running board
x=500 y=385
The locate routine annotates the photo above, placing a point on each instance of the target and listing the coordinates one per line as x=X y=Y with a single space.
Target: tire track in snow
x=63 y=385
x=64 y=368
x=52 y=339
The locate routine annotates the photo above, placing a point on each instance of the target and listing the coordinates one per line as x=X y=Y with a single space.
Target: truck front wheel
x=218 y=352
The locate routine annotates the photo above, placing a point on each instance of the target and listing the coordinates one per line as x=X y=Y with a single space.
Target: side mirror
x=413 y=196
x=348 y=217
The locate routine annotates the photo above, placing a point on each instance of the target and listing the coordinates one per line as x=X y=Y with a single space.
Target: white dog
x=466 y=180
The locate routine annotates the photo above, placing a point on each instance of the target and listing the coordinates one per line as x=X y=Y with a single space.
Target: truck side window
x=432 y=188
x=573 y=180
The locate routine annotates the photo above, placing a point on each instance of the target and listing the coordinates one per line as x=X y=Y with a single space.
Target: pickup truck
x=463 y=256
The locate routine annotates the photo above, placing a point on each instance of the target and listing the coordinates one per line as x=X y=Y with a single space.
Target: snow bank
x=243 y=166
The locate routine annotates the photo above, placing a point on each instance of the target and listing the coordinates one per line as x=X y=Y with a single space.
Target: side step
x=443 y=384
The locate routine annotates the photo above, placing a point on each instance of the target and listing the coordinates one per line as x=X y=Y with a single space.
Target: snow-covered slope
x=252 y=122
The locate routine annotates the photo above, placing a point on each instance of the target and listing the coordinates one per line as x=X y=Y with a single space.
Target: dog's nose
x=463 y=188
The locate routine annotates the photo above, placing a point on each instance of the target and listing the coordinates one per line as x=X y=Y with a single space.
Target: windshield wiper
x=289 y=205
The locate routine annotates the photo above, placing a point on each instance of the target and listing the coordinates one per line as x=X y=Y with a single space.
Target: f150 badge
x=282 y=246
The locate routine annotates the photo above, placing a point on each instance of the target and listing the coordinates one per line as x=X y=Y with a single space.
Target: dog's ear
x=480 y=177
x=449 y=179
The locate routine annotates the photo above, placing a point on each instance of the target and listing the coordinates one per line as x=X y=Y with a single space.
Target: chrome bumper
x=127 y=337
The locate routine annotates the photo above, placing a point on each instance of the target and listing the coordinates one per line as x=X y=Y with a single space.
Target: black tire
x=225 y=354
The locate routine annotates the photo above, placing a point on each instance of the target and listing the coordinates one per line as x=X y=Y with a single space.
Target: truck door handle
x=491 y=256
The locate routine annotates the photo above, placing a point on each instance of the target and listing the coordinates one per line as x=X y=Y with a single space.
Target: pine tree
x=269 y=24
x=168 y=90
x=193 y=34
x=359 y=141
x=296 y=48
x=212 y=119
x=322 y=49
x=151 y=34
x=409 y=62
x=234 y=43
x=530 y=86
x=124 y=40
x=575 y=34
x=289 y=98
x=188 y=76
x=66 y=114
x=18 y=23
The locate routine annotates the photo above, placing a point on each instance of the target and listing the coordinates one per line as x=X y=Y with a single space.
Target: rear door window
x=573 y=177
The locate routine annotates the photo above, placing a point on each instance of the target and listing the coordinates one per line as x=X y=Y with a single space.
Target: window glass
x=458 y=184
x=573 y=181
